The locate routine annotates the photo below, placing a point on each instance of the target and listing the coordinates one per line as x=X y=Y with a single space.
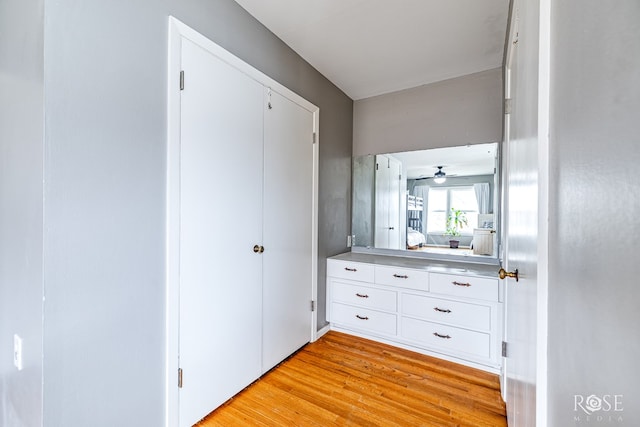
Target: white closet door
x=388 y=233
x=220 y=222
x=288 y=222
x=395 y=172
x=382 y=195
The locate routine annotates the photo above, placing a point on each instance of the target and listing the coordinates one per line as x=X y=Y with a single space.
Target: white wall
x=459 y=111
x=594 y=205
x=21 y=152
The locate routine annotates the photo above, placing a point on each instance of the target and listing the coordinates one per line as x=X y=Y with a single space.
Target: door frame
x=504 y=153
x=543 y=129
x=178 y=31
x=544 y=99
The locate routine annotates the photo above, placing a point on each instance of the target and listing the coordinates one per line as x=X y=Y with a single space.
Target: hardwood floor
x=342 y=380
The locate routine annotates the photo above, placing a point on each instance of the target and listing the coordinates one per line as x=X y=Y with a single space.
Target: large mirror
x=440 y=203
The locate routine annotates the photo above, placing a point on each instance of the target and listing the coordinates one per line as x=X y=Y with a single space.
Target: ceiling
x=372 y=47
x=469 y=160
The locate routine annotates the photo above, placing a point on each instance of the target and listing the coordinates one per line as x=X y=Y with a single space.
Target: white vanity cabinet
x=357 y=303
x=437 y=309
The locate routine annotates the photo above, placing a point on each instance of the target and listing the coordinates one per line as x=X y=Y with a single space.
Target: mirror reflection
x=440 y=201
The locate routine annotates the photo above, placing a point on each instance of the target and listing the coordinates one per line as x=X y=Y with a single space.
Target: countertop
x=433 y=266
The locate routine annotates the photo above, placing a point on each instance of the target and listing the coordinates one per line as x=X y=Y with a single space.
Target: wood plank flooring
x=342 y=380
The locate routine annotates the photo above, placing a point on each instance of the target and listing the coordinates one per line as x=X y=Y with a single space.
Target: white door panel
x=220 y=222
x=521 y=231
x=288 y=228
x=395 y=194
x=388 y=193
x=382 y=202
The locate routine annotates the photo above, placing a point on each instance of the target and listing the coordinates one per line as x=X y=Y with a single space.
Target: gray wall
x=460 y=111
x=364 y=181
x=594 y=227
x=104 y=212
x=21 y=151
x=102 y=244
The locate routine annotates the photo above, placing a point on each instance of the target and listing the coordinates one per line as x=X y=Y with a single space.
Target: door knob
x=258 y=249
x=504 y=273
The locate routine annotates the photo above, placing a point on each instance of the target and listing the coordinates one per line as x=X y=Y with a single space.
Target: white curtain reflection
x=482 y=196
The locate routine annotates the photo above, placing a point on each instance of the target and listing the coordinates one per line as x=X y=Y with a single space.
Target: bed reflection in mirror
x=438 y=201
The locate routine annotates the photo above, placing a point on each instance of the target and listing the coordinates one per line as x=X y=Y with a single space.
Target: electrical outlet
x=17 y=352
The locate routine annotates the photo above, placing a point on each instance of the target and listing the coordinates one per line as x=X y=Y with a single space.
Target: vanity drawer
x=447 y=338
x=363 y=319
x=350 y=270
x=364 y=296
x=464 y=286
x=402 y=277
x=456 y=313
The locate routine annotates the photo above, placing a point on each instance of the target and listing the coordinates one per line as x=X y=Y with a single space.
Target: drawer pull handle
x=461 y=284
x=362 y=296
x=442 y=336
x=400 y=276
x=350 y=269
x=362 y=318
x=440 y=310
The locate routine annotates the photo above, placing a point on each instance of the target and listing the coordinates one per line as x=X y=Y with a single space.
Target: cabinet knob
x=258 y=249
x=504 y=273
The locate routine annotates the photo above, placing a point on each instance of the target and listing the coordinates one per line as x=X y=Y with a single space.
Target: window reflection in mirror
x=398 y=204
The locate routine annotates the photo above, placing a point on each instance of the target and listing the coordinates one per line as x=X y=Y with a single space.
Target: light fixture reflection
x=439 y=177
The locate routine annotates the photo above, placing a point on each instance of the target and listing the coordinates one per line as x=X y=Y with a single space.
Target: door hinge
x=504 y=349
x=507 y=106
x=313 y=305
x=377 y=166
x=181 y=80
x=179 y=377
x=314 y=138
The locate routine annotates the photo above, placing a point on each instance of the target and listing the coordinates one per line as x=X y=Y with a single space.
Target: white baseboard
x=322 y=331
